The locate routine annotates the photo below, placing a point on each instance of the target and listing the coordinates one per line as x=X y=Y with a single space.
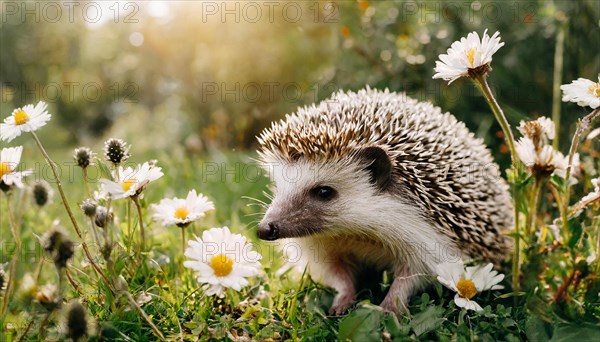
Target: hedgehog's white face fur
x=317 y=198
x=359 y=177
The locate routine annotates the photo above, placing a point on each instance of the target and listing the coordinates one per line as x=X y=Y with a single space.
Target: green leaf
x=363 y=324
x=576 y=332
x=427 y=320
x=392 y=325
x=537 y=330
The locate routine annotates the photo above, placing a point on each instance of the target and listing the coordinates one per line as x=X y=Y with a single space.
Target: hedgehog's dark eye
x=323 y=193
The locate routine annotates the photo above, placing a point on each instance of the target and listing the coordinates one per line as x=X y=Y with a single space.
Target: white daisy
x=467 y=55
x=9 y=159
x=223 y=260
x=182 y=212
x=542 y=126
x=468 y=282
x=582 y=91
x=130 y=181
x=542 y=160
x=26 y=119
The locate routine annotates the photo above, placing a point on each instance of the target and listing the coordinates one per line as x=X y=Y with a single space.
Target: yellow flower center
x=4 y=169
x=466 y=288
x=181 y=213
x=595 y=89
x=221 y=264
x=126 y=184
x=470 y=56
x=21 y=117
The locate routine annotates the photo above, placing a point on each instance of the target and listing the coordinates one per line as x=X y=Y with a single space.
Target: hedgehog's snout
x=268 y=231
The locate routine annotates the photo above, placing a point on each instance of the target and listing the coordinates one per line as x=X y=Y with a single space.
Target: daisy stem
x=481 y=82
x=70 y=212
x=182 y=252
x=182 y=242
x=136 y=201
x=87 y=182
x=129 y=232
x=13 y=263
x=533 y=204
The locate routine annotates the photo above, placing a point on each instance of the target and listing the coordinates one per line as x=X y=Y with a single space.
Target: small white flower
x=182 y=212
x=544 y=125
x=9 y=159
x=130 y=181
x=26 y=119
x=541 y=160
x=468 y=282
x=582 y=91
x=223 y=260
x=467 y=54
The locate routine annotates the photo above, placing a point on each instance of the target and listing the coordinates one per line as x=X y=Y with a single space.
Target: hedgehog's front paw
x=341 y=302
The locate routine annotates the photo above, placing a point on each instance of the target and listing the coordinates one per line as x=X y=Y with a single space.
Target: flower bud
x=102 y=217
x=59 y=246
x=116 y=151
x=77 y=324
x=5 y=187
x=83 y=157
x=2 y=279
x=88 y=207
x=41 y=193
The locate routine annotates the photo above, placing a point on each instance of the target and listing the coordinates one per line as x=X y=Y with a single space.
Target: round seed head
x=77 y=324
x=116 y=151
x=83 y=157
x=102 y=217
x=58 y=244
x=2 y=279
x=41 y=193
x=88 y=207
x=5 y=187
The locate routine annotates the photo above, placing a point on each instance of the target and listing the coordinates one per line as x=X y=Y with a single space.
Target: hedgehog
x=375 y=180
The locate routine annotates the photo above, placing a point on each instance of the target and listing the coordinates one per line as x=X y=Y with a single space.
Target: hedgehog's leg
x=402 y=287
x=341 y=279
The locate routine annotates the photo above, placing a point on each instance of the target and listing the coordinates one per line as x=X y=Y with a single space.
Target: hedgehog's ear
x=378 y=164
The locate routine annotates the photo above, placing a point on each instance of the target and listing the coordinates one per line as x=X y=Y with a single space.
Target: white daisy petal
x=466 y=303
x=470 y=281
x=131 y=182
x=583 y=91
x=182 y=211
x=25 y=119
x=467 y=53
x=9 y=160
x=219 y=259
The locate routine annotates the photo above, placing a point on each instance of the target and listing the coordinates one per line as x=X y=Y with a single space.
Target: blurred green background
x=195 y=76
